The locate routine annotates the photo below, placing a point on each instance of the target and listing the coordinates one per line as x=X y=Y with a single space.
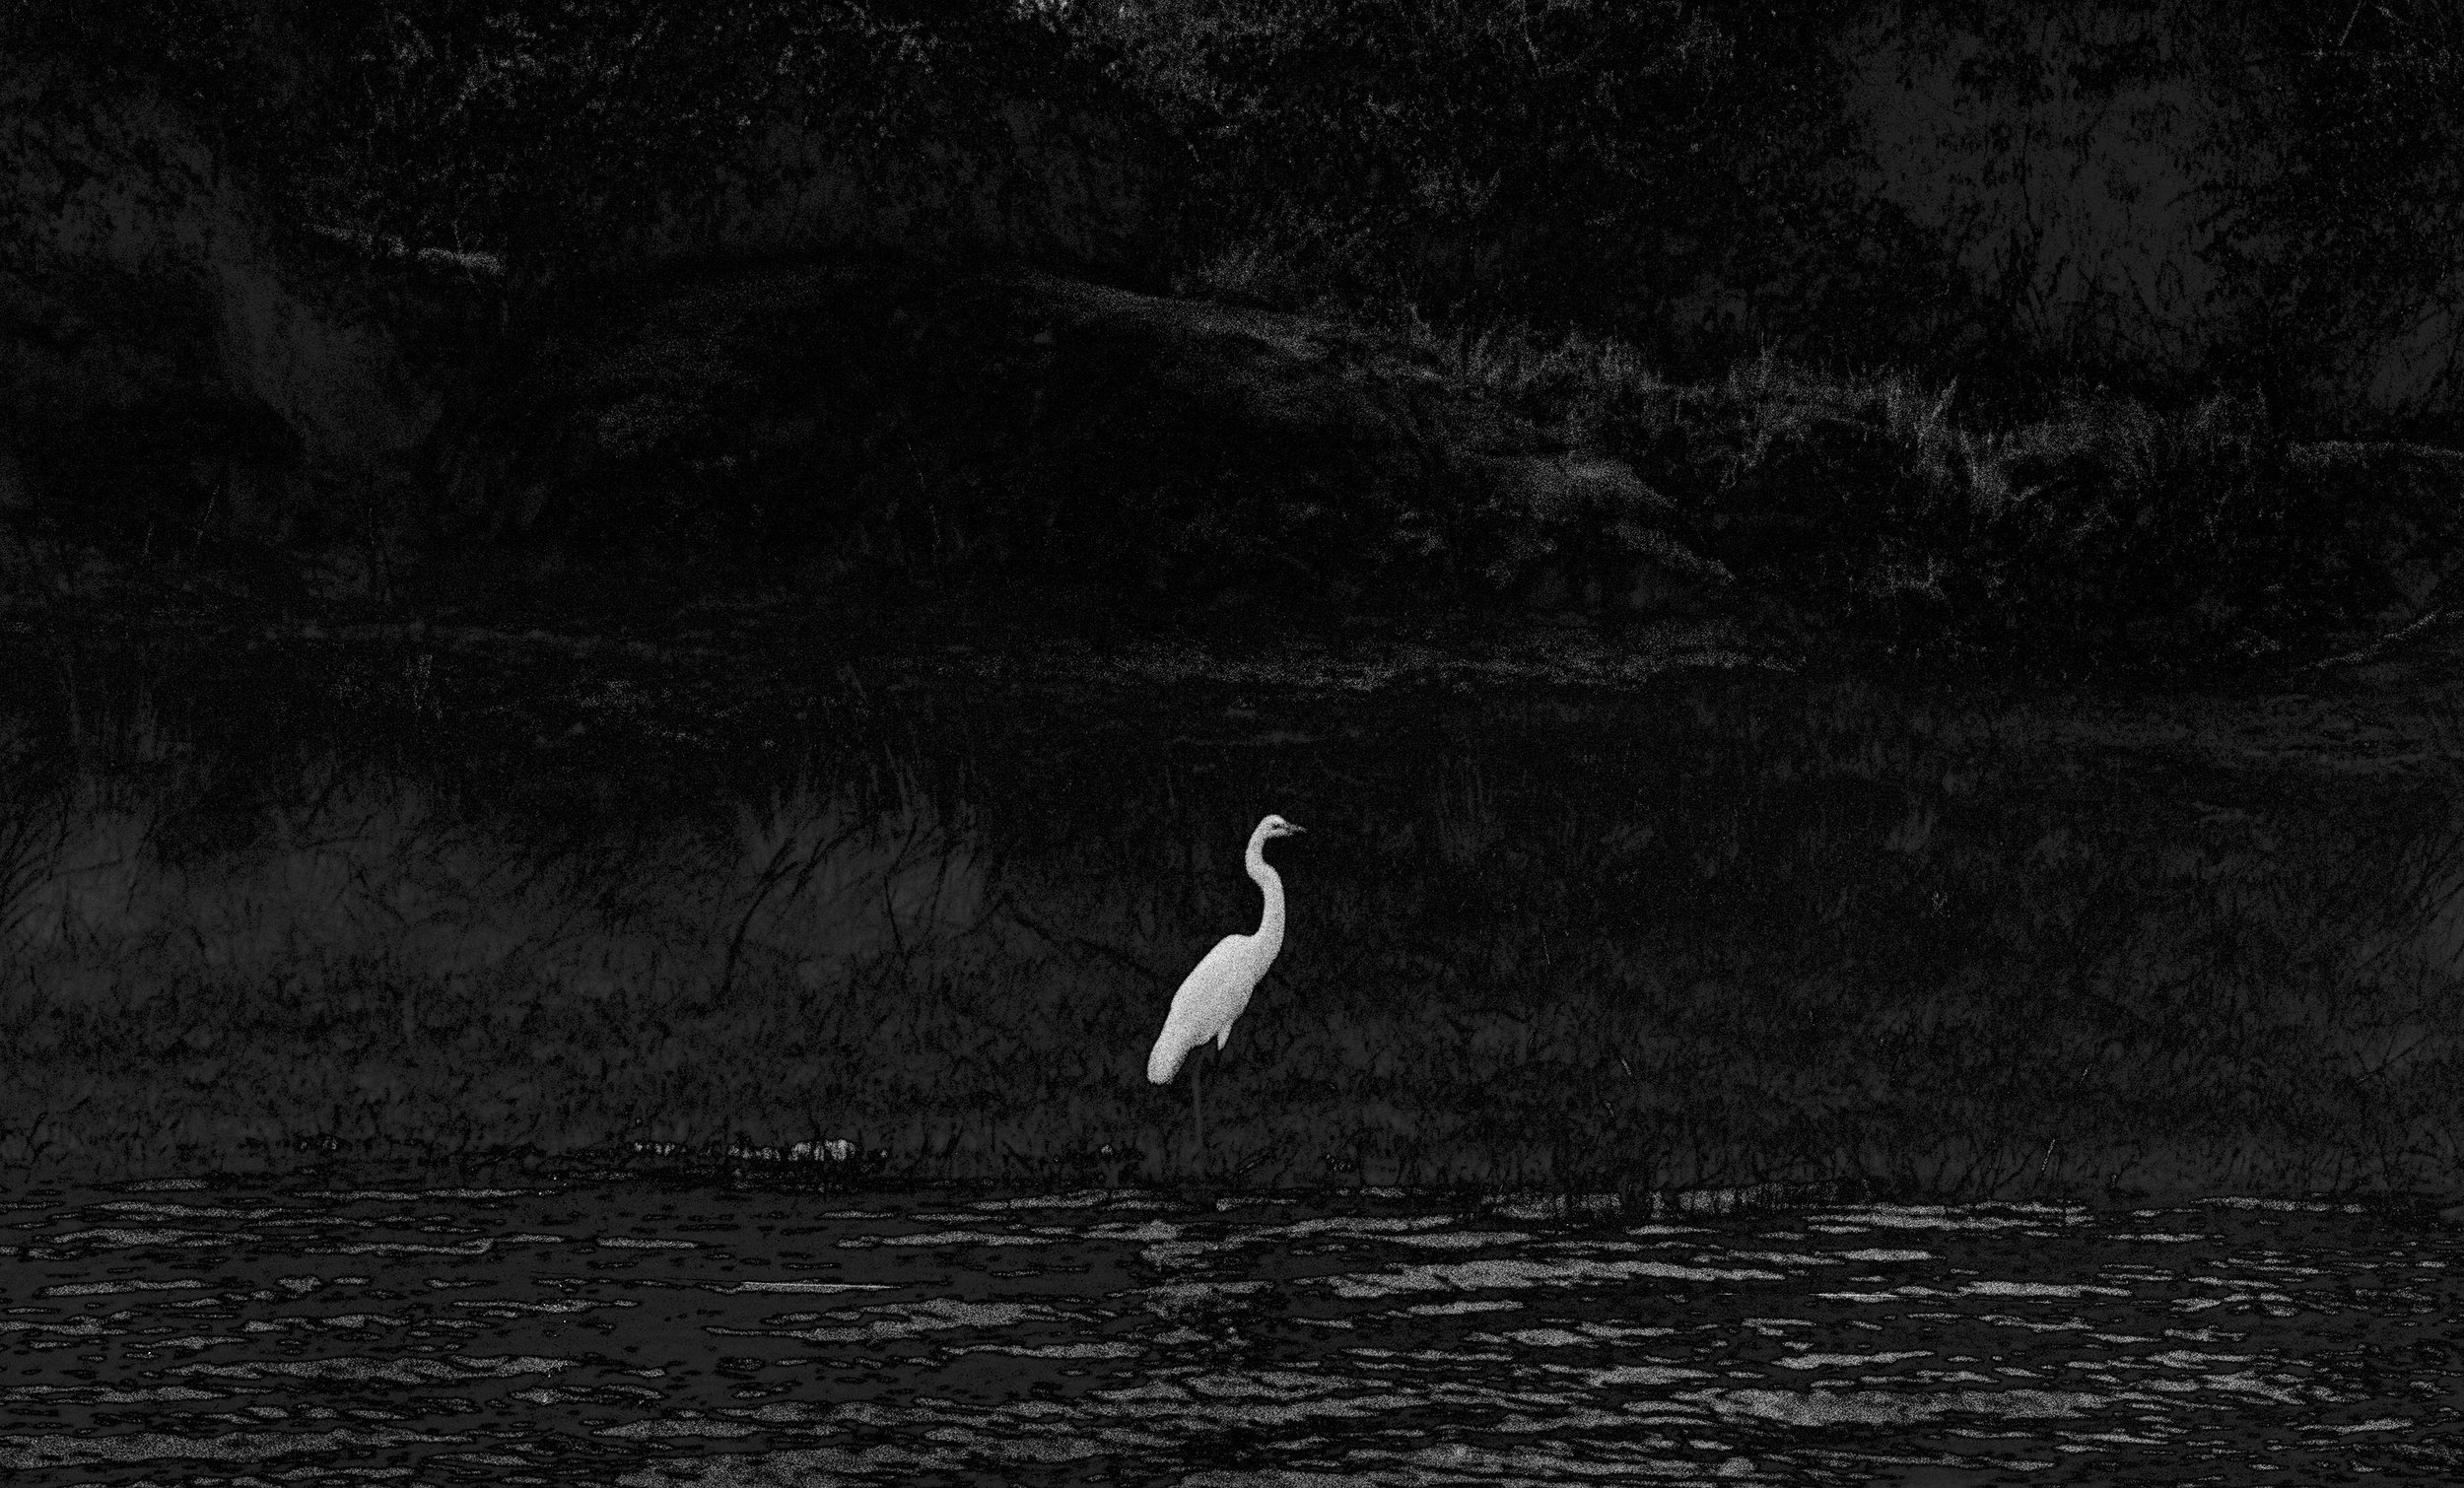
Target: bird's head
x=1275 y=826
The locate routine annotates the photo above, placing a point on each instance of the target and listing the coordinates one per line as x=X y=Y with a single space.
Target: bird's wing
x=1201 y=1009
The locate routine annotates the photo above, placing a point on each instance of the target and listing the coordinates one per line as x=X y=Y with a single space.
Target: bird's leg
x=1198 y=1110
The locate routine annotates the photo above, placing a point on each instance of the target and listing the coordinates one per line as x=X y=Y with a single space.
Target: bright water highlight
x=622 y=1331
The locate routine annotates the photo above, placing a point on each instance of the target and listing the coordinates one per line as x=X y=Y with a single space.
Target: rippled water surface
x=631 y=1333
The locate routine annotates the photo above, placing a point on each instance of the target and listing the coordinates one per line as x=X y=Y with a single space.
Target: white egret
x=1214 y=994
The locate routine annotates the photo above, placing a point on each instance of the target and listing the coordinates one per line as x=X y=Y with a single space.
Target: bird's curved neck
x=1271 y=927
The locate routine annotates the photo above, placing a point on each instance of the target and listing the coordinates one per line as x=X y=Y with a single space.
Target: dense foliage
x=1654 y=168
x=1653 y=186
x=2367 y=124
x=1664 y=170
x=536 y=130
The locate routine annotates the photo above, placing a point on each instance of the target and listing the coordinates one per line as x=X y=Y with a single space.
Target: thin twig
x=2383 y=644
x=1082 y=942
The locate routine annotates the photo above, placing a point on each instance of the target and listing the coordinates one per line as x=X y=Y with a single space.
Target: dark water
x=618 y=1331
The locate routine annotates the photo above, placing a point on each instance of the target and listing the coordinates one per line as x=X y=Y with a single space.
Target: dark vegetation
x=1731 y=932
x=1527 y=196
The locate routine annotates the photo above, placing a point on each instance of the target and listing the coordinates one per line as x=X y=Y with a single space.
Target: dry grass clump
x=2108 y=537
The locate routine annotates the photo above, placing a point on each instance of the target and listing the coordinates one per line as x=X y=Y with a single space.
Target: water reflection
x=613 y=1331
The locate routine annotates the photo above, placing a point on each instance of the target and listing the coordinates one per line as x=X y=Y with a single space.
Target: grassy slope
x=1720 y=933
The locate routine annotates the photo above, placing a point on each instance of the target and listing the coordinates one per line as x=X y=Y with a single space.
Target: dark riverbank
x=791 y=873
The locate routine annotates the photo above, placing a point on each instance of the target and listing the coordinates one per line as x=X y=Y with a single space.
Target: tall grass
x=368 y=965
x=1722 y=934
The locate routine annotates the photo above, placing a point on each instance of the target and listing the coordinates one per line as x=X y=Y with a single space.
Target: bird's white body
x=1214 y=994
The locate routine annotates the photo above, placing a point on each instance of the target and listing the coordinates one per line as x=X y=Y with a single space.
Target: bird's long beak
x=1288 y=827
